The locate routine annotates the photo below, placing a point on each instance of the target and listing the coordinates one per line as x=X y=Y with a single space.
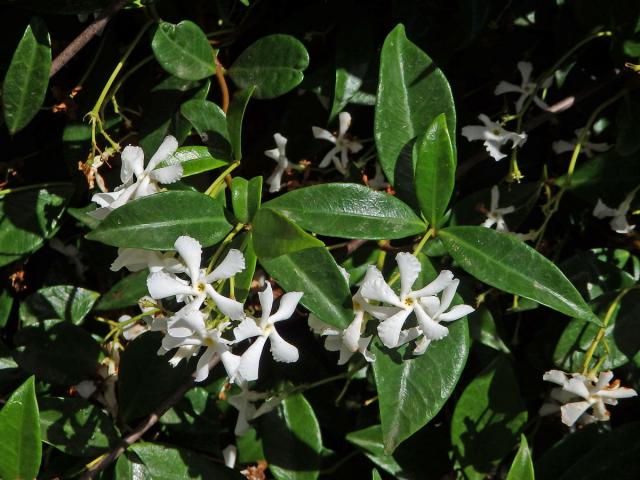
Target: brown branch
x=81 y=40
x=224 y=89
x=138 y=432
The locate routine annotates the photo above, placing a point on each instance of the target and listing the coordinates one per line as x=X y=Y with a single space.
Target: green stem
x=7 y=191
x=228 y=239
x=214 y=188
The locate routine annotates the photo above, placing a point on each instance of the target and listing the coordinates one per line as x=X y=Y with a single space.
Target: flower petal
x=506 y=87
x=232 y=264
x=132 y=163
x=281 y=143
x=163 y=285
x=431 y=329
x=231 y=363
x=577 y=387
x=439 y=284
x=168 y=147
x=323 y=134
x=250 y=360
x=572 y=411
x=458 y=311
x=344 y=121
x=202 y=367
x=229 y=307
x=474 y=132
x=525 y=69
x=246 y=329
x=288 y=303
x=167 y=175
x=266 y=302
x=380 y=291
x=620 y=392
x=562 y=146
x=351 y=335
x=409 y=267
x=448 y=294
x=555 y=376
x=190 y=251
x=389 y=329
x=282 y=350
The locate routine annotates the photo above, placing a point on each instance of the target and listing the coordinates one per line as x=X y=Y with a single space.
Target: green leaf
x=435 y=170
x=169 y=463
x=183 y=50
x=130 y=467
x=65 y=302
x=375 y=475
x=235 y=116
x=26 y=80
x=413 y=389
x=156 y=221
x=482 y=328
x=76 y=426
x=522 y=466
x=126 y=292
x=245 y=197
x=21 y=447
x=348 y=210
x=6 y=305
x=487 y=419
x=370 y=440
x=504 y=262
x=244 y=279
x=58 y=352
x=211 y=124
x=300 y=262
x=291 y=440
x=273 y=64
x=412 y=92
x=194 y=160
x=30 y=216
x=146 y=378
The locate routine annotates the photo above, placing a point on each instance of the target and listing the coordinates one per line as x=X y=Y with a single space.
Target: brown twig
x=224 y=89
x=81 y=40
x=137 y=433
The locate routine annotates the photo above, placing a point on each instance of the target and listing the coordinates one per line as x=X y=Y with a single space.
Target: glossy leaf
x=412 y=92
x=183 y=50
x=168 y=463
x=292 y=441
x=76 y=427
x=6 y=305
x=348 y=210
x=235 y=116
x=370 y=440
x=487 y=419
x=66 y=302
x=29 y=217
x=435 y=170
x=156 y=221
x=211 y=124
x=126 y=292
x=21 y=447
x=139 y=391
x=194 y=160
x=245 y=197
x=300 y=262
x=504 y=262
x=274 y=64
x=413 y=389
x=482 y=328
x=522 y=466
x=130 y=467
x=26 y=80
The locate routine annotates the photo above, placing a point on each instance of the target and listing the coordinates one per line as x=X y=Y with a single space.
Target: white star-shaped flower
x=563 y=146
x=146 y=179
x=244 y=402
x=526 y=88
x=264 y=329
x=195 y=292
x=282 y=163
x=427 y=307
x=137 y=259
x=343 y=145
x=493 y=136
x=618 y=223
x=495 y=215
x=578 y=393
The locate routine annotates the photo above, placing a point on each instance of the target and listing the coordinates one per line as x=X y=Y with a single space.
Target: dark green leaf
x=211 y=124
x=274 y=64
x=59 y=352
x=370 y=440
x=435 y=170
x=487 y=419
x=274 y=235
x=25 y=84
x=65 y=302
x=76 y=426
x=168 y=463
x=156 y=221
x=412 y=92
x=30 y=216
x=194 y=160
x=504 y=262
x=130 y=467
x=146 y=378
x=348 y=210
x=21 y=447
x=245 y=197
x=126 y=292
x=522 y=466
x=183 y=50
x=482 y=328
x=6 y=305
x=235 y=115
x=292 y=440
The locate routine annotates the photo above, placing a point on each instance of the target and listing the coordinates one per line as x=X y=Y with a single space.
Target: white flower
x=339 y=154
x=494 y=136
x=132 y=330
x=244 y=403
x=562 y=146
x=282 y=163
x=429 y=310
x=136 y=259
x=146 y=179
x=618 y=221
x=163 y=285
x=378 y=181
x=264 y=329
x=525 y=89
x=495 y=215
x=578 y=393
x=230 y=455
